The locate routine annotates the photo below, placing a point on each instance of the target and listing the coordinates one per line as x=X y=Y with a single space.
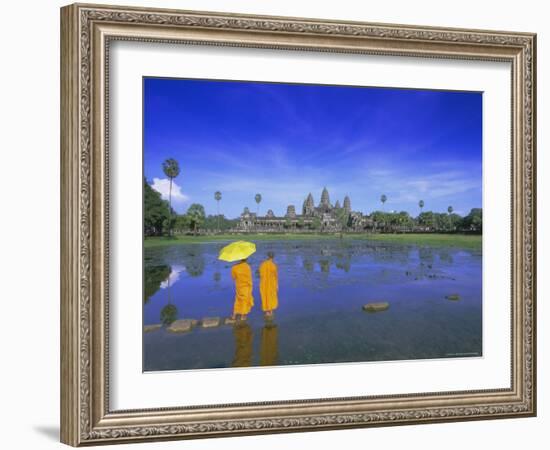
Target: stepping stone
x=210 y=322
x=229 y=321
x=182 y=326
x=376 y=307
x=453 y=297
x=149 y=328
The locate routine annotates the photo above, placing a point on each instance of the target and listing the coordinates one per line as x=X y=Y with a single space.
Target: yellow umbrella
x=236 y=251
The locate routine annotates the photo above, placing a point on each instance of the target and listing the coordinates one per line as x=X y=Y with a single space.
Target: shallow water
x=322 y=287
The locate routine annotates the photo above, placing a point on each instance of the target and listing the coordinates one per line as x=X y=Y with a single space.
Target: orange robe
x=269 y=285
x=242 y=274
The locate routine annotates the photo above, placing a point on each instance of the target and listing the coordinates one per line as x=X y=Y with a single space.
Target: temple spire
x=325 y=199
x=347 y=204
x=309 y=206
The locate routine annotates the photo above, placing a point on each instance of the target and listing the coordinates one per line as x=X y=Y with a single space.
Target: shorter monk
x=242 y=274
x=269 y=285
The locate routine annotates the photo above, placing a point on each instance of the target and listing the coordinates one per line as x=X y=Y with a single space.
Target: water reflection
x=339 y=262
x=446 y=257
x=343 y=264
x=296 y=258
x=175 y=273
x=242 y=333
x=389 y=253
x=322 y=287
x=168 y=314
x=153 y=278
x=244 y=348
x=426 y=255
x=269 y=349
x=194 y=262
x=324 y=265
x=308 y=265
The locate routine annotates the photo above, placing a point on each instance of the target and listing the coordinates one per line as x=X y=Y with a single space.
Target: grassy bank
x=472 y=241
x=438 y=240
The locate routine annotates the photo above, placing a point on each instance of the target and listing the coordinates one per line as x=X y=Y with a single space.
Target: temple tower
x=309 y=206
x=347 y=204
x=325 y=199
x=291 y=212
x=337 y=204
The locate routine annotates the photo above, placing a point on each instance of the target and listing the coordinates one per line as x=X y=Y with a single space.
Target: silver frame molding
x=86 y=32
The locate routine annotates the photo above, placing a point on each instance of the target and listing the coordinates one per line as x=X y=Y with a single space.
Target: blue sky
x=286 y=140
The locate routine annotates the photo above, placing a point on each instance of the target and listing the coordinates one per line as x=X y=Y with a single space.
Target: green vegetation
x=161 y=220
x=156 y=212
x=316 y=225
x=218 y=197
x=154 y=276
x=168 y=314
x=219 y=223
x=196 y=216
x=171 y=169
x=474 y=220
x=258 y=199
x=471 y=241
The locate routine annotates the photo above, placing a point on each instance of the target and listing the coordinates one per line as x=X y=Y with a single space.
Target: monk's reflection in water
x=244 y=338
x=269 y=349
x=243 y=345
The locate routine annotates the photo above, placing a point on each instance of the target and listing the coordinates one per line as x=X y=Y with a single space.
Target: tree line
x=160 y=219
x=428 y=221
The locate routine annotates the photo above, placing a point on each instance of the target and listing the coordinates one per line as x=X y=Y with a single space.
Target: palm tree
x=169 y=313
x=218 y=197
x=450 y=211
x=383 y=199
x=258 y=198
x=421 y=205
x=171 y=169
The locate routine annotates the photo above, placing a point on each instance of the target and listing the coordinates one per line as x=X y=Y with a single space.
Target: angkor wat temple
x=323 y=217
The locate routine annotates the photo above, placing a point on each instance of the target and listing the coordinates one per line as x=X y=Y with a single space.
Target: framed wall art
x=276 y=224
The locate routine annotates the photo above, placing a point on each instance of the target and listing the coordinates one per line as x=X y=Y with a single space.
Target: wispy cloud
x=404 y=187
x=162 y=186
x=275 y=173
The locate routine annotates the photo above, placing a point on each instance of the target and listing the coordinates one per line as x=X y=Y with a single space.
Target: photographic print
x=291 y=224
x=289 y=196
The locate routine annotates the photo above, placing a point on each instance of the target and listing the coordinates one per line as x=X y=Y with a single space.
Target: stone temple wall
x=323 y=217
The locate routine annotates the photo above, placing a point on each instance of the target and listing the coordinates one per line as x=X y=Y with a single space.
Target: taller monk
x=269 y=284
x=242 y=274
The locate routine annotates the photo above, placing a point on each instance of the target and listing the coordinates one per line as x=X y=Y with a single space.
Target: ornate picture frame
x=87 y=32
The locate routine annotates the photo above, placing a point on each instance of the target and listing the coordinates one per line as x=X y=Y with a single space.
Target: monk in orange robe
x=242 y=274
x=269 y=285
